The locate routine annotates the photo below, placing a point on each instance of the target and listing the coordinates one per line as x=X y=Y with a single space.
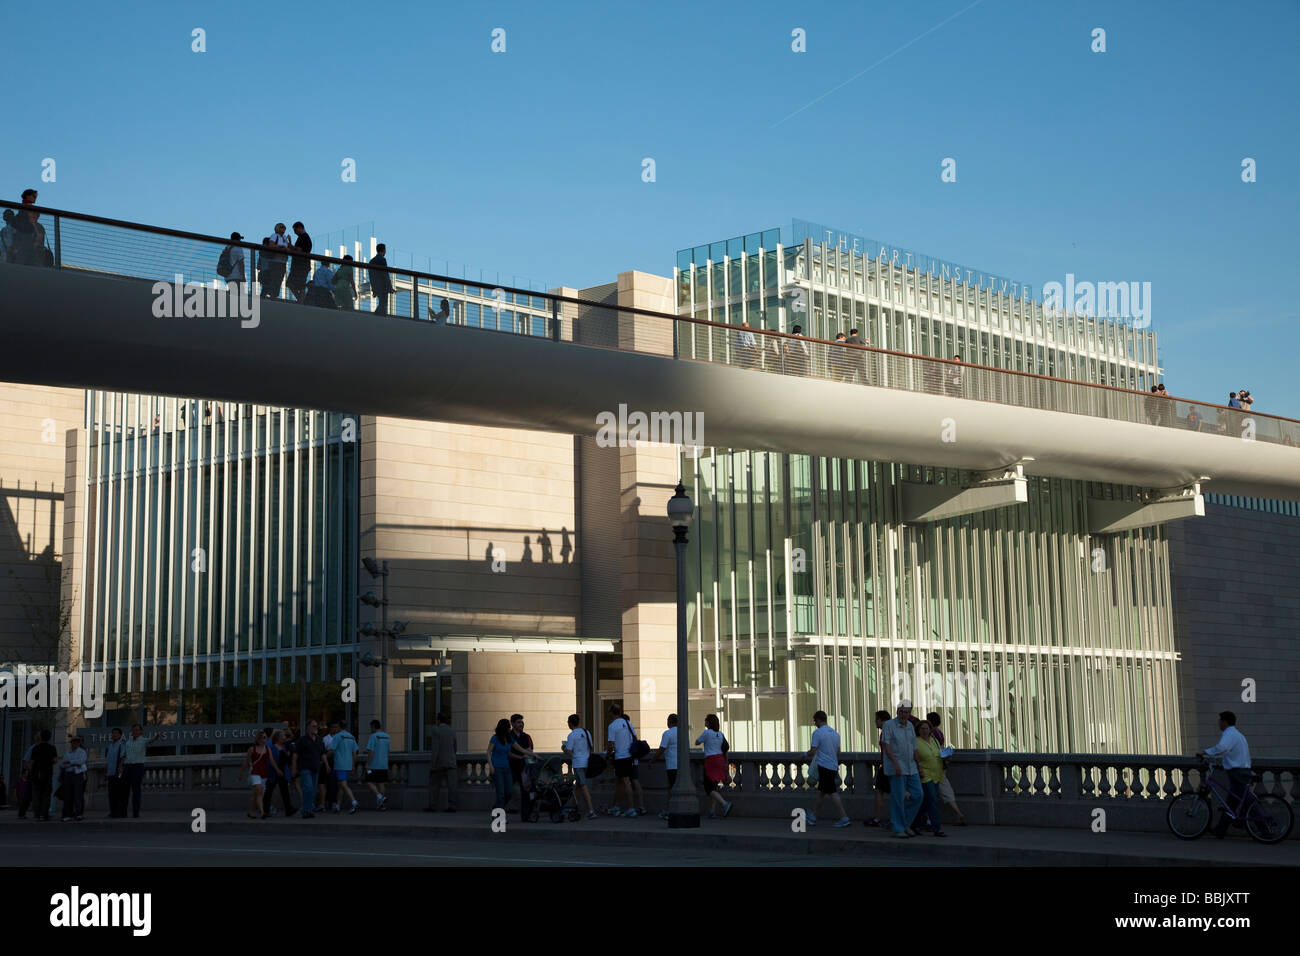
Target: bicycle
x=1267 y=818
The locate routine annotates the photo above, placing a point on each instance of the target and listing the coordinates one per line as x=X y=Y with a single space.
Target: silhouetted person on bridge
x=381 y=283
x=24 y=236
x=321 y=293
x=860 y=358
x=795 y=353
x=345 y=289
x=274 y=261
x=301 y=266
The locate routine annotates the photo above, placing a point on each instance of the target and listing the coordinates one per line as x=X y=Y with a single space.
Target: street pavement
x=405 y=838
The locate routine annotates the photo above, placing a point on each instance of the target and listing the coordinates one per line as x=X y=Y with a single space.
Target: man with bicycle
x=1235 y=752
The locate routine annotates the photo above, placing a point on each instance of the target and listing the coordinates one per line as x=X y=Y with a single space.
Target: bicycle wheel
x=1269 y=819
x=1188 y=815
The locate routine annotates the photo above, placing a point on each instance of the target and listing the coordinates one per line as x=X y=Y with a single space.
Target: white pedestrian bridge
x=92 y=321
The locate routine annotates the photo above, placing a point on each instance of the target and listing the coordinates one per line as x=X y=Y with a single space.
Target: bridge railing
x=991 y=786
x=116 y=248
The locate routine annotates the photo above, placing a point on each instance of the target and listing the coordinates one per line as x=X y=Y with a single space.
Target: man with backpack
x=578 y=746
x=230 y=266
x=624 y=747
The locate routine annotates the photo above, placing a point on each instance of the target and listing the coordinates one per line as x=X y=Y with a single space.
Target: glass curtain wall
x=221 y=543
x=807 y=593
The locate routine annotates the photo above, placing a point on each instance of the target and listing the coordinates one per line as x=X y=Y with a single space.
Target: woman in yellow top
x=930 y=765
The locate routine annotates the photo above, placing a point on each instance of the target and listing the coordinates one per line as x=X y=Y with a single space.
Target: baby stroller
x=553 y=791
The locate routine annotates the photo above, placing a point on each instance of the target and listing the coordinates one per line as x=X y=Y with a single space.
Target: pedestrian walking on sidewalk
x=622 y=739
x=377 y=764
x=113 y=769
x=135 y=754
x=345 y=749
x=947 y=795
x=668 y=749
x=930 y=765
x=281 y=765
x=42 y=774
x=579 y=746
x=882 y=778
x=308 y=763
x=73 y=765
x=715 y=747
x=898 y=744
x=330 y=799
x=257 y=767
x=519 y=769
x=500 y=748
x=442 y=765
x=824 y=754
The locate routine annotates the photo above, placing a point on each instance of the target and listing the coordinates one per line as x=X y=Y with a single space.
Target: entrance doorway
x=429 y=695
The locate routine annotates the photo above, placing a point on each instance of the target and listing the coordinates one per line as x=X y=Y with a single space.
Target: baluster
x=1039 y=782
x=1151 y=788
x=1089 y=780
x=1167 y=788
x=1008 y=784
x=1053 y=780
x=1107 y=782
x=1025 y=786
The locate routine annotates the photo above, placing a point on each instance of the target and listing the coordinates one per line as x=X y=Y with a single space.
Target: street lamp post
x=684 y=802
x=380 y=570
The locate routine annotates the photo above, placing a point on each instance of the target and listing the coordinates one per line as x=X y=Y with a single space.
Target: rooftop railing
x=93 y=244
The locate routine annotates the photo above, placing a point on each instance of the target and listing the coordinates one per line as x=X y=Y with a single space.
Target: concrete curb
x=843 y=848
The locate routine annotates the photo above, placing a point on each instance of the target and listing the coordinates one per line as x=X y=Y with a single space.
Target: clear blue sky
x=1117 y=166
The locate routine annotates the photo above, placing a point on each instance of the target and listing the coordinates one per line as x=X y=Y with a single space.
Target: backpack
x=639 y=749
x=224 y=266
x=595 y=761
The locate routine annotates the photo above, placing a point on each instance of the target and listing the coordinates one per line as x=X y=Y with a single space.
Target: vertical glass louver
x=220 y=542
x=809 y=593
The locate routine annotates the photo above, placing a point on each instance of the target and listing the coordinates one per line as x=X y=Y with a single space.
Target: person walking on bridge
x=274 y=261
x=301 y=266
x=381 y=283
x=825 y=756
x=442 y=764
x=898 y=743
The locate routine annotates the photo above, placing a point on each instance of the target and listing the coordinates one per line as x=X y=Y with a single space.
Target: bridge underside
x=80 y=330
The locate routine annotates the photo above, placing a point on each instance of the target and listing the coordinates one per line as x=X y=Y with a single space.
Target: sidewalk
x=971 y=846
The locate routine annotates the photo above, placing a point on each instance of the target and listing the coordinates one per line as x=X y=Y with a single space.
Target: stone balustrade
x=992 y=787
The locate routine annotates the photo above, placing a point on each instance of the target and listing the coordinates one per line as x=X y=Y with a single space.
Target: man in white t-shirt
x=825 y=756
x=626 y=786
x=668 y=750
x=578 y=746
x=275 y=262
